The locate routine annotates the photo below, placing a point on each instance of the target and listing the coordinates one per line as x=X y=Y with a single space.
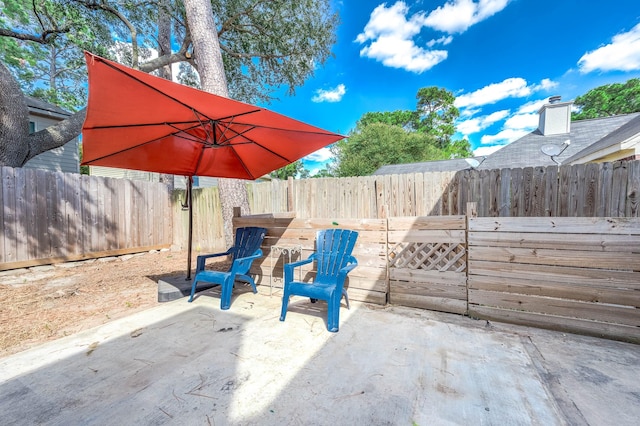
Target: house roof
x=585 y=137
x=526 y=151
x=427 y=166
x=623 y=133
x=40 y=107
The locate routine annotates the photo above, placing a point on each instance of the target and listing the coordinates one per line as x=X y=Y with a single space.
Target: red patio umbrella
x=142 y=122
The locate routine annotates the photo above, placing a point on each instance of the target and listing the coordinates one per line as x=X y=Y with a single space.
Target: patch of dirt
x=48 y=302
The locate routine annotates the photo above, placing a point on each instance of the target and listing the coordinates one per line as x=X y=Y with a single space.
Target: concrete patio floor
x=193 y=364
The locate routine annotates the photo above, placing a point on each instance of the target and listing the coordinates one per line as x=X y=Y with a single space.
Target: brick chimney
x=555 y=117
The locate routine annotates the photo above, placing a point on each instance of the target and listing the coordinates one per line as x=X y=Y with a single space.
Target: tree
x=408 y=120
x=255 y=45
x=399 y=137
x=437 y=113
x=266 y=44
x=608 y=100
x=378 y=144
x=294 y=170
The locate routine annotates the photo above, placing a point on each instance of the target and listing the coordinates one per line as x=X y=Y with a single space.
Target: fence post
x=290 y=194
x=472 y=212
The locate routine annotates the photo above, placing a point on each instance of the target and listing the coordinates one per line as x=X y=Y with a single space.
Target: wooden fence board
x=422 y=276
x=442 y=236
x=588 y=242
x=573 y=325
x=425 y=223
x=583 y=276
x=575 y=225
x=633 y=190
x=576 y=258
x=429 y=289
x=443 y=304
x=557 y=289
x=556 y=306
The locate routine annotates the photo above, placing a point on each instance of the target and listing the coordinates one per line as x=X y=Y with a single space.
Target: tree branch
x=43 y=38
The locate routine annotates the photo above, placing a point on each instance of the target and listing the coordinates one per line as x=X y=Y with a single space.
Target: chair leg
x=225 y=296
x=346 y=296
x=193 y=289
x=333 y=314
x=285 y=305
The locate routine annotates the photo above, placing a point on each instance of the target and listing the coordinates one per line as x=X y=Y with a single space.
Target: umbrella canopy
x=139 y=121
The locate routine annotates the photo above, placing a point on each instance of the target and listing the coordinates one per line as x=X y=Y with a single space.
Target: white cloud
x=474 y=125
x=510 y=88
x=456 y=16
x=622 y=54
x=331 y=95
x=532 y=107
x=391 y=36
x=545 y=84
x=514 y=87
x=320 y=156
x=444 y=40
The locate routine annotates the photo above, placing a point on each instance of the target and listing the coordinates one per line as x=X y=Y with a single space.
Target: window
x=32 y=127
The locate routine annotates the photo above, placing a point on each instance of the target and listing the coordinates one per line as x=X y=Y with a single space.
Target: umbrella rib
x=164 y=123
x=192 y=139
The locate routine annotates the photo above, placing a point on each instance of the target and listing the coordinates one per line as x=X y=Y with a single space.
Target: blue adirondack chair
x=245 y=250
x=333 y=261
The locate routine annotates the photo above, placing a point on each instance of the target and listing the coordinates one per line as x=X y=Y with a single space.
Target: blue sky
x=501 y=58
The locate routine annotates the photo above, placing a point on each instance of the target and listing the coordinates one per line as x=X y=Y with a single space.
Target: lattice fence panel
x=428 y=256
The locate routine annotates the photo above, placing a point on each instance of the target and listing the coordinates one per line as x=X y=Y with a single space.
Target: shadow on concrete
x=191 y=363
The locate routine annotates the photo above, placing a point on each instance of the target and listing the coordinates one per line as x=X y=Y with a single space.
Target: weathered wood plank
x=427 y=222
x=428 y=289
x=442 y=304
x=422 y=276
x=588 y=242
x=579 y=276
x=442 y=236
x=557 y=289
x=573 y=225
x=555 y=306
x=576 y=258
x=558 y=323
x=9 y=218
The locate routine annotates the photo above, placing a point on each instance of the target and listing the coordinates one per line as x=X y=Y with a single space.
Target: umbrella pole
x=190 y=201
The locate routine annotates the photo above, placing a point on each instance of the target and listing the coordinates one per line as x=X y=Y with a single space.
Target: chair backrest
x=248 y=241
x=333 y=252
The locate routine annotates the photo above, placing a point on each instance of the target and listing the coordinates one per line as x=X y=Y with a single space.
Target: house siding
x=63 y=159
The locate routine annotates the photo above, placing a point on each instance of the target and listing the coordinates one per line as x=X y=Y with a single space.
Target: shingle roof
x=427 y=166
x=621 y=134
x=586 y=137
x=525 y=152
x=45 y=108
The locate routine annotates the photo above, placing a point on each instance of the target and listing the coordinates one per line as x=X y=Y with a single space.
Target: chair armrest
x=353 y=262
x=202 y=259
x=245 y=262
x=289 y=267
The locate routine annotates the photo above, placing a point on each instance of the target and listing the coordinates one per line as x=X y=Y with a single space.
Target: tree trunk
x=164 y=48
x=208 y=56
x=17 y=146
x=14 y=129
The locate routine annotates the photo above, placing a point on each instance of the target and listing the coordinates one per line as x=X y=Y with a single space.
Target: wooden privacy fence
x=584 y=190
x=573 y=274
x=50 y=217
